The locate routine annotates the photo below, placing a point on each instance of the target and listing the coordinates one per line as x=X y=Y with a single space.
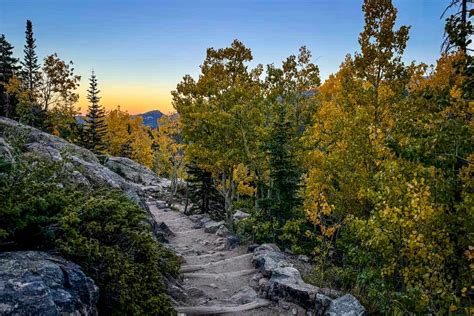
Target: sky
x=140 y=49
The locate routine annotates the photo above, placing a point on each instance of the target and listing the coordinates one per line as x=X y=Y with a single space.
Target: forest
x=369 y=173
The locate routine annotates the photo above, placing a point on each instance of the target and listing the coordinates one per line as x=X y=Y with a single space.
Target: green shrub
x=108 y=236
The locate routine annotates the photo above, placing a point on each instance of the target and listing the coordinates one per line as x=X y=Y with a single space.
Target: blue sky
x=141 y=49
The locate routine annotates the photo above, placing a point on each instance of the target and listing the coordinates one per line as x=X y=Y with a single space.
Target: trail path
x=215 y=280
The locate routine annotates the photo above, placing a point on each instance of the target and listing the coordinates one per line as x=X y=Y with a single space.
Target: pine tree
x=282 y=199
x=30 y=71
x=95 y=125
x=201 y=191
x=8 y=67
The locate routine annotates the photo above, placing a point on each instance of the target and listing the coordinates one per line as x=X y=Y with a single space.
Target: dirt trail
x=215 y=280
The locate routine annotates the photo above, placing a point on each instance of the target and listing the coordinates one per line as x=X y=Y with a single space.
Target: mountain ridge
x=150 y=118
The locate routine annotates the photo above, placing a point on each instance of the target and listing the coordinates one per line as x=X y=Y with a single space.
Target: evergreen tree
x=31 y=68
x=126 y=150
x=282 y=200
x=28 y=110
x=8 y=67
x=202 y=192
x=95 y=125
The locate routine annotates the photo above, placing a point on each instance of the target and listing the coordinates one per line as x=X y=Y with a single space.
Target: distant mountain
x=149 y=118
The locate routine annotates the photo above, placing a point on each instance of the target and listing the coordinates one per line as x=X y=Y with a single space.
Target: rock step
x=219 y=285
x=220 y=266
x=220 y=309
x=206 y=258
x=184 y=232
x=224 y=275
x=214 y=255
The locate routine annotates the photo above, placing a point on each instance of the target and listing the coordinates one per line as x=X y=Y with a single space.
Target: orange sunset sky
x=141 y=98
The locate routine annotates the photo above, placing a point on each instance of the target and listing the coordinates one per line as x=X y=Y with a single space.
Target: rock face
x=132 y=171
x=281 y=281
x=36 y=283
x=82 y=166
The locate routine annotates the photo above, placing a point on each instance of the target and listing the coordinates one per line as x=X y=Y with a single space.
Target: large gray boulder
x=281 y=281
x=212 y=226
x=346 y=305
x=267 y=258
x=239 y=215
x=132 y=171
x=36 y=283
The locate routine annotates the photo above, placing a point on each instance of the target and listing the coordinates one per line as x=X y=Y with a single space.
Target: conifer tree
x=95 y=125
x=202 y=192
x=282 y=199
x=8 y=67
x=31 y=68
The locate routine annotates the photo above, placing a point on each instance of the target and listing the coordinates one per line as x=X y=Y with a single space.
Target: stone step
x=219 y=285
x=222 y=309
x=220 y=266
x=231 y=274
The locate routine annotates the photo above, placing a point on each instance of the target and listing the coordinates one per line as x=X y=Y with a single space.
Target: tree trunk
x=228 y=193
x=464 y=20
x=187 y=199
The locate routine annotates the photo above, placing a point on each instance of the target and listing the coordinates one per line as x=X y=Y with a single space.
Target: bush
x=102 y=231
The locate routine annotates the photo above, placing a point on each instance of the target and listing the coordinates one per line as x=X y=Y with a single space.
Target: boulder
x=304 y=258
x=267 y=258
x=161 y=231
x=175 y=290
x=200 y=220
x=37 y=283
x=281 y=281
x=346 y=305
x=321 y=304
x=286 y=283
x=240 y=215
x=232 y=241
x=244 y=295
x=161 y=204
x=132 y=171
x=222 y=231
x=212 y=226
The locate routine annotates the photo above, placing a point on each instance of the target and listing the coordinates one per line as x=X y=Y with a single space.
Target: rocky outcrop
x=279 y=280
x=36 y=283
x=132 y=171
x=82 y=166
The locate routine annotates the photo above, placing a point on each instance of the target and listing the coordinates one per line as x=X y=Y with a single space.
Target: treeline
x=370 y=172
x=44 y=96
